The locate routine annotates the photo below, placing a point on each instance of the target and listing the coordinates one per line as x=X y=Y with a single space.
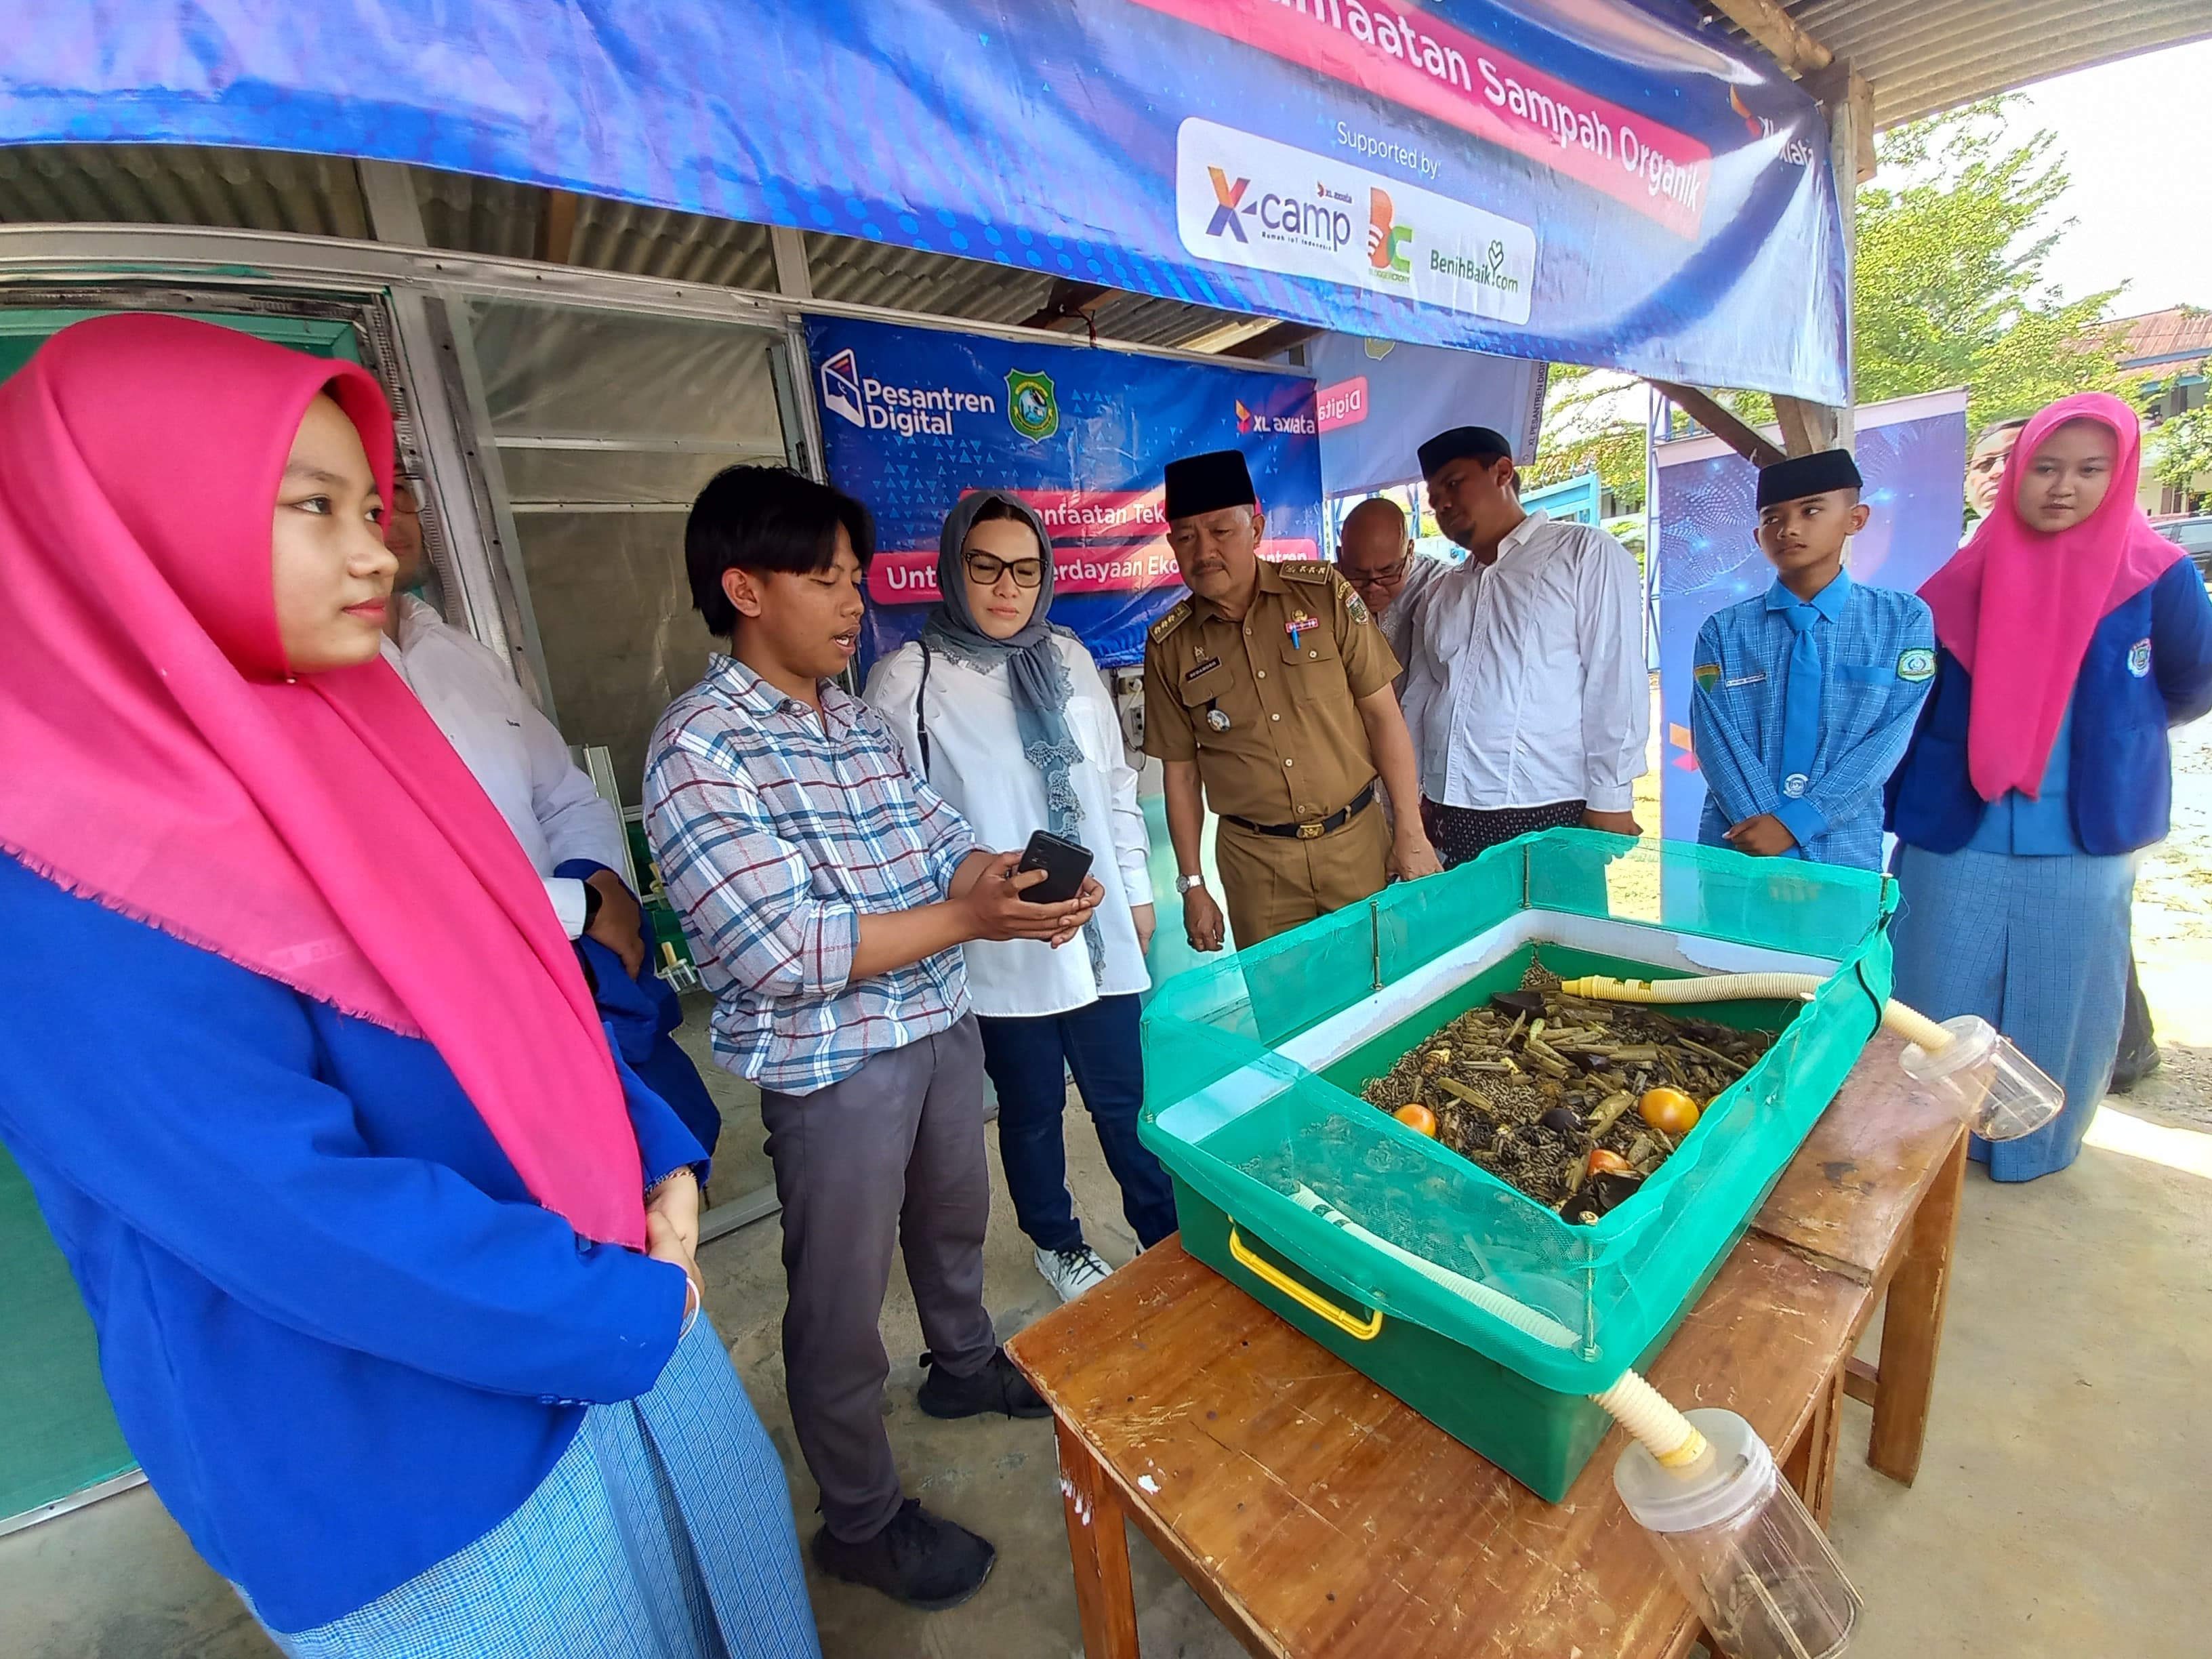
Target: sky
x=2143 y=213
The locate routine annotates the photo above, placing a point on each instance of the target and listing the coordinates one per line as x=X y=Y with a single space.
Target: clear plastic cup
x=1740 y=1546
x=2003 y=1094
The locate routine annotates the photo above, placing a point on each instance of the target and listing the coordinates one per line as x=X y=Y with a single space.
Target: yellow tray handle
x=1366 y=1330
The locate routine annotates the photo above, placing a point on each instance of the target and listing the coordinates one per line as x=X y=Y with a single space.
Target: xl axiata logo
x=841 y=387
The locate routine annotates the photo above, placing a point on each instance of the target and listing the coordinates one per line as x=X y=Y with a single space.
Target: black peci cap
x=1799 y=476
x=1479 y=443
x=1209 y=482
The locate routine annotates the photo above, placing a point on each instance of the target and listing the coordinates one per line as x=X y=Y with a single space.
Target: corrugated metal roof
x=271 y=189
x=2161 y=337
x=1923 y=56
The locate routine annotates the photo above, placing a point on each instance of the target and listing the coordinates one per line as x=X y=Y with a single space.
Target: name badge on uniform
x=1298 y=624
x=1203 y=665
x=2139 y=658
x=1743 y=680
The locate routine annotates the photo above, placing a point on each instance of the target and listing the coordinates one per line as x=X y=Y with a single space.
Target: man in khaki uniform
x=1267 y=697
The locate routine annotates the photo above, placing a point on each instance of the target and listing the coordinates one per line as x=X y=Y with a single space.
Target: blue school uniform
x=1802 y=708
x=338 y=1333
x=2016 y=909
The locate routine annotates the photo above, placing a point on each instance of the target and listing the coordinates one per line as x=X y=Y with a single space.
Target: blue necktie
x=1800 y=702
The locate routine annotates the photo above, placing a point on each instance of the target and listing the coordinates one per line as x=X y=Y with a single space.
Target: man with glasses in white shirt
x=1528 y=696
x=1374 y=553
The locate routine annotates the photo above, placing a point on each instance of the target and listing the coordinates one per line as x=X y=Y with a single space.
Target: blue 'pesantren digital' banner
x=912 y=418
x=1581 y=182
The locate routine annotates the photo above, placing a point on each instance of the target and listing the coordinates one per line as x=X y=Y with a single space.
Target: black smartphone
x=1064 y=864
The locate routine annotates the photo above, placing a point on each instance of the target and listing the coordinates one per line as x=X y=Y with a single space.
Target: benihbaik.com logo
x=1386 y=239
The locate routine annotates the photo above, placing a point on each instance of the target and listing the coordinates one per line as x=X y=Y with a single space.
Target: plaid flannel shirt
x=776 y=830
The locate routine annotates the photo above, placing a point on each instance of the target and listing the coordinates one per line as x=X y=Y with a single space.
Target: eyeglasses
x=1389 y=576
x=1028 y=573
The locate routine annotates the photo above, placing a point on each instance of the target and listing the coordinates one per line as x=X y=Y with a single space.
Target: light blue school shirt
x=1877 y=649
x=2040 y=826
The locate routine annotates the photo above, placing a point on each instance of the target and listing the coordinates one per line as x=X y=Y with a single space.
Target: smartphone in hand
x=1065 y=862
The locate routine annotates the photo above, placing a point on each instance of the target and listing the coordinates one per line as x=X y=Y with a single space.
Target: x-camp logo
x=1228 y=197
x=1386 y=240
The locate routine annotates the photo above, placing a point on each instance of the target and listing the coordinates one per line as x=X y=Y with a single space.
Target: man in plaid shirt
x=825 y=891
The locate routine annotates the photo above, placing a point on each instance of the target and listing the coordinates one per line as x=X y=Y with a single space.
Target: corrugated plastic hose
x=1641 y=1409
x=1909 y=1023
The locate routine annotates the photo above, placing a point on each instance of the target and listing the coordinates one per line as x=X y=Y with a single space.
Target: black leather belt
x=1311 y=829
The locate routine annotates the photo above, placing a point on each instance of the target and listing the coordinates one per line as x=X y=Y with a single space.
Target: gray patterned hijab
x=1032 y=661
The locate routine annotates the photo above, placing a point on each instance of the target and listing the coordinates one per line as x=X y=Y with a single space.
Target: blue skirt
x=664 y=1531
x=2038 y=947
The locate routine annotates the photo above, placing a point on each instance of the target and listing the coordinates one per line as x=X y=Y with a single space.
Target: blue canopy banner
x=1912 y=454
x=1379 y=401
x=913 y=418
x=1584 y=183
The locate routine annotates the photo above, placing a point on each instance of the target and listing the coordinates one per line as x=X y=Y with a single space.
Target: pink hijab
x=2036 y=599
x=321 y=831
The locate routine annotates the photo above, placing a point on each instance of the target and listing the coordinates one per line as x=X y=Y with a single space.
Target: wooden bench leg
x=1810 y=1467
x=1098 y=1545
x=1912 y=1326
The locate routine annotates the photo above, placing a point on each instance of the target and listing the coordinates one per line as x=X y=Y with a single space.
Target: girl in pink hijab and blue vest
x=2071 y=638
x=390 y=1258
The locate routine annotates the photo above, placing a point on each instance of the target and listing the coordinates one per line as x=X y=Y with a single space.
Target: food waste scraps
x=1574 y=1102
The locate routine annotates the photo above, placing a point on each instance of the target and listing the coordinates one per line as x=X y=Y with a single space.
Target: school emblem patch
x=1917 y=663
x=1707 y=675
x=2139 y=658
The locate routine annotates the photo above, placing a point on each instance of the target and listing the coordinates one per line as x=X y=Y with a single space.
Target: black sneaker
x=920 y=1559
x=997 y=1388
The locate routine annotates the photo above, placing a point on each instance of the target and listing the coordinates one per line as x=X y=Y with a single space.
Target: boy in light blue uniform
x=1806 y=697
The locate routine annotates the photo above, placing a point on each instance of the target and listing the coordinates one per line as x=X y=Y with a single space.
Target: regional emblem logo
x=1032 y=410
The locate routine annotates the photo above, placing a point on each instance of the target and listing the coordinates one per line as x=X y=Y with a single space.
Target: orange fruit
x=1417 y=1117
x=1669 y=1110
x=1604 y=1163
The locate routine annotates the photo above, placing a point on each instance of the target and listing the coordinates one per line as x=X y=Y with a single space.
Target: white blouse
x=975 y=762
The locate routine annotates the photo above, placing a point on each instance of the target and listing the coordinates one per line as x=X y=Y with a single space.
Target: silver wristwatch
x=1184 y=883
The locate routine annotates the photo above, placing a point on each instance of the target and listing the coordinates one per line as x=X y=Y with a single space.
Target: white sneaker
x=1070 y=1273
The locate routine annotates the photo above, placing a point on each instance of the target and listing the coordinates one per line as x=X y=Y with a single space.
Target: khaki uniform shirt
x=1288 y=675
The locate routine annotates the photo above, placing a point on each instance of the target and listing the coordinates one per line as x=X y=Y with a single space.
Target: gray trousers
x=892 y=1155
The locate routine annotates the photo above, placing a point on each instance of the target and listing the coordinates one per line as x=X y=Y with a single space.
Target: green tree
x=1949 y=288
x=1953 y=236
x=1583 y=432
x=2179 y=451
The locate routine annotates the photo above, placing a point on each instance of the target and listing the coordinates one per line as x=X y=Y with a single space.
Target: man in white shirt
x=1376 y=554
x=1528 y=698
x=573 y=836
x=513 y=751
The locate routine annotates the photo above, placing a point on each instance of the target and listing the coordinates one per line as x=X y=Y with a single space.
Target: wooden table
x=1318 y=1517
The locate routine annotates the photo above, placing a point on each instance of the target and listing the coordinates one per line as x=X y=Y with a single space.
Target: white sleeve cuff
x=567 y=895
x=1610 y=797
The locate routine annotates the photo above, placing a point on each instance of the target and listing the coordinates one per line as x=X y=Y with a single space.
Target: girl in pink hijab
x=390 y=1261
x=2071 y=637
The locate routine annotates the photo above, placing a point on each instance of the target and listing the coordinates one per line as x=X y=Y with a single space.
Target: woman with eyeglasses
x=1007 y=718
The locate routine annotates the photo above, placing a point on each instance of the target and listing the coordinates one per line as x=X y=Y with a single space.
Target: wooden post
x=1709 y=412
x=556 y=227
